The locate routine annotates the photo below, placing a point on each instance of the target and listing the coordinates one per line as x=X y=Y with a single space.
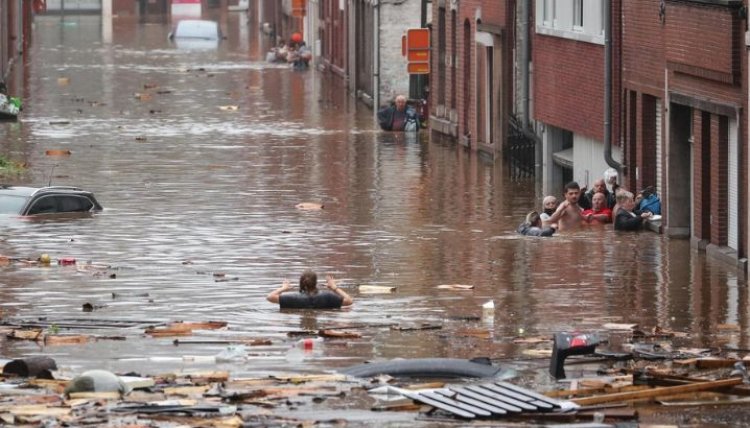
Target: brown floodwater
x=191 y=190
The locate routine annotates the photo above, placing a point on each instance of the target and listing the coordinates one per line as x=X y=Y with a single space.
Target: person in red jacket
x=598 y=213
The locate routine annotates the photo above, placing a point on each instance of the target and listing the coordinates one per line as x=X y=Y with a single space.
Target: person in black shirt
x=308 y=296
x=626 y=218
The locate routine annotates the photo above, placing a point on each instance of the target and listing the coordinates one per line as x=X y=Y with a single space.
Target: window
x=581 y=20
x=577 y=13
x=43 y=205
x=69 y=204
x=549 y=12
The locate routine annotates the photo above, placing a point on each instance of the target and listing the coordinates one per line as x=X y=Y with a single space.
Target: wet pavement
x=191 y=190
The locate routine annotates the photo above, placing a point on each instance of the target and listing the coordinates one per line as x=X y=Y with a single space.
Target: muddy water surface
x=191 y=189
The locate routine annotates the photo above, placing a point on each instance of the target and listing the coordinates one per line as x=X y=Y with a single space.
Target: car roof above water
x=198 y=29
x=17 y=190
x=28 y=191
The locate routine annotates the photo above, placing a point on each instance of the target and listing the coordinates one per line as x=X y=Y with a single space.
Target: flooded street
x=191 y=190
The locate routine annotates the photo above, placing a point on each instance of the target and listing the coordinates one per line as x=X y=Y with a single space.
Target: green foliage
x=9 y=167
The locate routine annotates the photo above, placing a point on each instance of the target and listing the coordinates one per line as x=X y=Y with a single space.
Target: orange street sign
x=418 y=50
x=418 y=38
x=422 y=55
x=418 y=68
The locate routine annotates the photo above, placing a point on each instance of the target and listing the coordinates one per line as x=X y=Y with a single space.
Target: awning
x=564 y=158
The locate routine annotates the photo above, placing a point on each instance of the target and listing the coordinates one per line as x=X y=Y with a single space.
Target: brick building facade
x=685 y=116
x=471 y=78
x=15 y=32
x=678 y=98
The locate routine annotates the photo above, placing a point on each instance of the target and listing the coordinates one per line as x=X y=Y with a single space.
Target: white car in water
x=196 y=34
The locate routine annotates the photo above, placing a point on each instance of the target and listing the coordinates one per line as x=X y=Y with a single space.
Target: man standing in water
x=568 y=214
x=398 y=117
x=308 y=296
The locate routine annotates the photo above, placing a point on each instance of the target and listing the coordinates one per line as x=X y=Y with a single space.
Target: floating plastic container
x=66 y=261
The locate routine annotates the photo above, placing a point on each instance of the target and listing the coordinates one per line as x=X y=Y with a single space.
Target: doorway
x=679 y=172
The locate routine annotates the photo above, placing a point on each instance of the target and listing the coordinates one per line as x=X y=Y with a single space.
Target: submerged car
x=29 y=201
x=196 y=33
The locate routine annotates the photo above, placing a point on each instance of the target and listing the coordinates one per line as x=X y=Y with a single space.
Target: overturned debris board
x=494 y=399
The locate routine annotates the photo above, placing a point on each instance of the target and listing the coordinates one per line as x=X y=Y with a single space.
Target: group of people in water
x=295 y=53
x=600 y=205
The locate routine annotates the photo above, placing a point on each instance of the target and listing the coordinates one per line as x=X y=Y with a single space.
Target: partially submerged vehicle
x=31 y=201
x=196 y=34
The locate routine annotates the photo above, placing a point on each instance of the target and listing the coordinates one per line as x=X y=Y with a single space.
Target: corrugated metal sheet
x=486 y=400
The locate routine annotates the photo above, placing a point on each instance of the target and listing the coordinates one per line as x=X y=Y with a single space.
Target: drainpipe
x=608 y=88
x=524 y=60
x=376 y=59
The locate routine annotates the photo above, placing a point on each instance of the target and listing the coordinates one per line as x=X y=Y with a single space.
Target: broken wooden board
x=532 y=340
x=584 y=392
x=95 y=395
x=39 y=410
x=480 y=333
x=459 y=287
x=537 y=352
x=309 y=206
x=215 y=376
x=184 y=328
x=376 y=289
x=66 y=339
x=414 y=327
x=619 y=326
x=338 y=334
x=718 y=363
x=658 y=392
x=56 y=386
x=186 y=391
x=26 y=334
x=302 y=378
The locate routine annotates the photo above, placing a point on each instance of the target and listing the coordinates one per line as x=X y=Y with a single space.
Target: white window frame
x=571 y=19
x=578 y=15
x=549 y=15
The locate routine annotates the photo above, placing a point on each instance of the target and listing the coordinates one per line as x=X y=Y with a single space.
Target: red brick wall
x=643 y=47
x=719 y=177
x=699 y=40
x=569 y=85
x=493 y=12
x=701 y=177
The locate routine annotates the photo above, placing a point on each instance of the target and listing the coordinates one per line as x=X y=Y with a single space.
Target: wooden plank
x=472 y=402
x=592 y=391
x=339 y=334
x=718 y=363
x=483 y=398
x=658 y=392
x=437 y=404
x=95 y=395
x=513 y=402
x=376 y=289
